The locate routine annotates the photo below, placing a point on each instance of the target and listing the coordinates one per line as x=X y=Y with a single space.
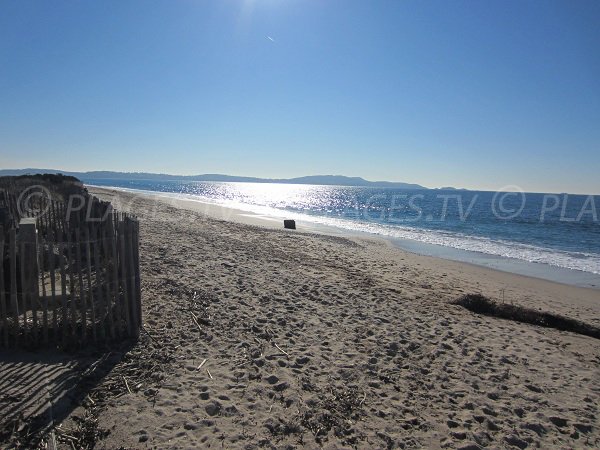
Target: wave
x=581 y=261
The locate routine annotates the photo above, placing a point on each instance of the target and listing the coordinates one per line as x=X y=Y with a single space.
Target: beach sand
x=302 y=339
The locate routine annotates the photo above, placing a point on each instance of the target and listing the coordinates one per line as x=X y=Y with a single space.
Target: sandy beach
x=310 y=340
x=269 y=224
x=260 y=337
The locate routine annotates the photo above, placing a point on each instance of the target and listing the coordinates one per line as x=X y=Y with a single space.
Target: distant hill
x=337 y=180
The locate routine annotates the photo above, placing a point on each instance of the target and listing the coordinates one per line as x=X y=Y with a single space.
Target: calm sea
x=556 y=229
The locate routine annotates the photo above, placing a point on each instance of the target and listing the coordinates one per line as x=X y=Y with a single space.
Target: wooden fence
x=68 y=277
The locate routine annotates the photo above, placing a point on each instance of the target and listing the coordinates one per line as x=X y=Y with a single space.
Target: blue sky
x=479 y=94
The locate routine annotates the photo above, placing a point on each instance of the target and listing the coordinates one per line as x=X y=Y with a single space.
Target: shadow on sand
x=38 y=390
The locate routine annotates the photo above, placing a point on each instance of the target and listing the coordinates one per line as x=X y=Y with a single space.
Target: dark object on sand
x=477 y=303
x=291 y=224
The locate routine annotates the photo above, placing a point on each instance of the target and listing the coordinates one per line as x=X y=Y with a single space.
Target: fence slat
x=72 y=293
x=51 y=219
x=24 y=284
x=33 y=283
x=82 y=296
x=138 y=286
x=130 y=240
x=124 y=282
x=51 y=264
x=42 y=248
x=107 y=259
x=13 y=283
x=59 y=217
x=2 y=292
x=115 y=282
x=101 y=325
x=63 y=287
x=128 y=262
x=88 y=257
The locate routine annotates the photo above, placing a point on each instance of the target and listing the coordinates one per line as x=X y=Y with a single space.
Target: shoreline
x=512 y=266
x=319 y=341
x=259 y=337
x=507 y=285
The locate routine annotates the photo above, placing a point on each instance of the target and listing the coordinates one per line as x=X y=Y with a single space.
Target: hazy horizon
x=464 y=94
x=241 y=178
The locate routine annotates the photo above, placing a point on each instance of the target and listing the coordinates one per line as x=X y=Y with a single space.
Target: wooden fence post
x=115 y=280
x=63 y=287
x=88 y=257
x=99 y=280
x=124 y=283
x=52 y=263
x=44 y=296
x=130 y=258
x=28 y=258
x=138 y=286
x=70 y=259
x=107 y=279
x=82 y=296
x=2 y=292
x=13 y=283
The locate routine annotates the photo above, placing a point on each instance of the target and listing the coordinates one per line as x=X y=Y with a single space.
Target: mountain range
x=336 y=180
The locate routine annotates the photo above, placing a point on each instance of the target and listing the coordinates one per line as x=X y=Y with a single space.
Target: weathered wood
x=88 y=257
x=97 y=268
x=131 y=279
x=99 y=281
x=82 y=296
x=15 y=209
x=44 y=296
x=104 y=261
x=124 y=282
x=29 y=233
x=24 y=285
x=115 y=283
x=72 y=293
x=60 y=216
x=107 y=278
x=3 y=311
x=13 y=283
x=52 y=264
x=51 y=216
x=44 y=219
x=138 y=286
x=63 y=286
x=56 y=216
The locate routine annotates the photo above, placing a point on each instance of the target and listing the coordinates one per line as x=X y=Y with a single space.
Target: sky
x=475 y=94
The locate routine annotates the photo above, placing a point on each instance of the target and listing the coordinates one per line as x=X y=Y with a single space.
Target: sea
x=553 y=236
